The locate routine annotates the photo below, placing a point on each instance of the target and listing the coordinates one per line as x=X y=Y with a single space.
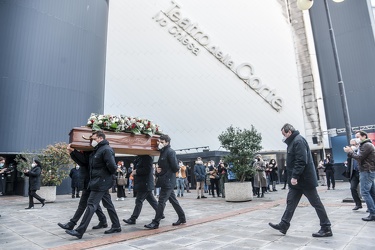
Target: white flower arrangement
x=123 y=123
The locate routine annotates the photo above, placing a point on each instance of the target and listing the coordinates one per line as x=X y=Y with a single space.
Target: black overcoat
x=34 y=177
x=169 y=167
x=144 y=179
x=299 y=163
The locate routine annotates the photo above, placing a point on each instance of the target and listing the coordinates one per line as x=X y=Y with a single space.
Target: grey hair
x=288 y=127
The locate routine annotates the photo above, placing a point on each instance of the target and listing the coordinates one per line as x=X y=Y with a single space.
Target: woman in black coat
x=34 y=183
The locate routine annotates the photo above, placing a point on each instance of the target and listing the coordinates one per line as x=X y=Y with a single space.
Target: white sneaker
x=117 y=199
x=123 y=198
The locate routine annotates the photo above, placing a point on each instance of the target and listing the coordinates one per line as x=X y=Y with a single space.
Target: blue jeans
x=180 y=185
x=366 y=180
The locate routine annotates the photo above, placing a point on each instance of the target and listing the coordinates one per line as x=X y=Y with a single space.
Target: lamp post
x=305 y=5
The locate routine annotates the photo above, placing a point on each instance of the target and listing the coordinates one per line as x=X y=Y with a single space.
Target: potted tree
x=55 y=161
x=242 y=145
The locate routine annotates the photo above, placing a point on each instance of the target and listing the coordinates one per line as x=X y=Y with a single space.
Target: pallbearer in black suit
x=102 y=166
x=166 y=174
x=143 y=186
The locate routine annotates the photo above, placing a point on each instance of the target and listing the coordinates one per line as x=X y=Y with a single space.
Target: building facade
x=194 y=67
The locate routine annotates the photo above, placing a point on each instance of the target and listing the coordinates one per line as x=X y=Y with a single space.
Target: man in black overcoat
x=102 y=167
x=82 y=159
x=302 y=180
x=166 y=174
x=143 y=186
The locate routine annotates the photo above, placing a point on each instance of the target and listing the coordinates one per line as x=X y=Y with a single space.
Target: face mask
x=258 y=159
x=283 y=139
x=94 y=144
x=33 y=165
x=180 y=164
x=357 y=140
x=160 y=146
x=77 y=167
x=1 y=165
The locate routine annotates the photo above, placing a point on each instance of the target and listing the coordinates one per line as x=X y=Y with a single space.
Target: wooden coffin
x=122 y=143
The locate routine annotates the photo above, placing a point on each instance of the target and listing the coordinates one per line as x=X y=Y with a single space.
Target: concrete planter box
x=48 y=193
x=238 y=191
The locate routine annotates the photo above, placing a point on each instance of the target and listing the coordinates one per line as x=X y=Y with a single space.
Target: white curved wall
x=196 y=97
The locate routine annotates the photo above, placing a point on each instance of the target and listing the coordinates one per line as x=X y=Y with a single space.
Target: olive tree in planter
x=55 y=160
x=242 y=145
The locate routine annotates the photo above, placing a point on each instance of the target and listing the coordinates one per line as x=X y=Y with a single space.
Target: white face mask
x=33 y=165
x=1 y=165
x=160 y=146
x=94 y=143
x=180 y=164
x=283 y=139
x=357 y=140
x=77 y=167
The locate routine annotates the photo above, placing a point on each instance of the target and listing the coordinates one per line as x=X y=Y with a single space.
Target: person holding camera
x=214 y=179
x=34 y=175
x=330 y=171
x=223 y=171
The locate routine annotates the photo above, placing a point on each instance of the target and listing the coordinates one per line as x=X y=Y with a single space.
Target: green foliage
x=55 y=160
x=24 y=161
x=242 y=144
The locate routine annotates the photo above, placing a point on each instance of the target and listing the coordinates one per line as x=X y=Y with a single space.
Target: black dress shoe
x=152 y=225
x=323 y=232
x=278 y=227
x=67 y=226
x=100 y=225
x=179 y=222
x=130 y=221
x=369 y=218
x=357 y=207
x=74 y=233
x=203 y=197
x=43 y=202
x=29 y=207
x=113 y=230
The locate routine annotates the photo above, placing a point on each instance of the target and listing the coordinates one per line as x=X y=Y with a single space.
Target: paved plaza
x=212 y=223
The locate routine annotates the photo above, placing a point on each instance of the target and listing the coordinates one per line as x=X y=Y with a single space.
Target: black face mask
x=258 y=159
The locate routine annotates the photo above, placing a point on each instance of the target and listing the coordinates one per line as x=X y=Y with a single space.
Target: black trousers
x=168 y=194
x=330 y=178
x=75 y=190
x=215 y=184
x=121 y=191
x=292 y=200
x=354 y=182
x=92 y=205
x=32 y=195
x=82 y=206
x=141 y=197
